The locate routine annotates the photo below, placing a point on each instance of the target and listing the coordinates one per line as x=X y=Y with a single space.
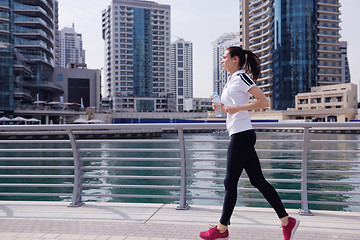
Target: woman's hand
x=214 y=106
x=232 y=109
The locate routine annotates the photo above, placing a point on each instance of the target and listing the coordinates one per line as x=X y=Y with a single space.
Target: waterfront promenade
x=137 y=221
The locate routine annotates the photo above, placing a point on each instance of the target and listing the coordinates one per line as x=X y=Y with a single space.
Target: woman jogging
x=241 y=154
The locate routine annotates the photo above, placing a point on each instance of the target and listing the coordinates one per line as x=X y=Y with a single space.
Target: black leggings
x=242 y=155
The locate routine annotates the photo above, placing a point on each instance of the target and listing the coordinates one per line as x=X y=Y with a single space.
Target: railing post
x=304 y=170
x=76 y=197
x=182 y=205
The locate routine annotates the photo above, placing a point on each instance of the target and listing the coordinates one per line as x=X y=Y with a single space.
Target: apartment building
x=181 y=72
x=345 y=68
x=297 y=42
x=219 y=46
x=136 y=36
x=70 y=47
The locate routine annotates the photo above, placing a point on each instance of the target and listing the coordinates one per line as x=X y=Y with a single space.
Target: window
x=60 y=77
x=180 y=74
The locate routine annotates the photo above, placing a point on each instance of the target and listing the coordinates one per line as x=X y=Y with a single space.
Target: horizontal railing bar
x=241 y=199
x=279 y=140
x=256 y=125
x=334 y=141
x=129 y=150
x=244 y=189
x=10 y=141
x=206 y=150
x=133 y=177
x=208 y=141
x=36 y=159
x=261 y=160
x=227 y=141
x=245 y=179
x=37 y=150
x=129 y=140
x=36 y=176
x=333 y=192
x=258 y=150
x=264 y=170
x=333 y=182
x=333 y=171
x=131 y=186
x=333 y=161
x=279 y=150
x=334 y=151
x=335 y=203
x=37 y=167
x=37 y=194
x=130 y=159
x=34 y=185
x=129 y=168
x=131 y=196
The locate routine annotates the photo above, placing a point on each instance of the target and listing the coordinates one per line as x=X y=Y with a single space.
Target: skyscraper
x=298 y=43
x=219 y=46
x=345 y=68
x=181 y=72
x=27 y=36
x=137 y=55
x=70 y=47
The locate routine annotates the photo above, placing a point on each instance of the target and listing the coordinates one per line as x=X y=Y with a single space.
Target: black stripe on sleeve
x=246 y=79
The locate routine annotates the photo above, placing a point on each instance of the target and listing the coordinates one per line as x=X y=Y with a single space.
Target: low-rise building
x=331 y=103
x=197 y=104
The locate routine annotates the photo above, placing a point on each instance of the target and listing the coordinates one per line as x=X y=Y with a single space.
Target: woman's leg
x=235 y=164
x=253 y=170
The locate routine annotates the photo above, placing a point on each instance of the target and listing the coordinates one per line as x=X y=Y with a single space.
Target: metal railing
x=80 y=163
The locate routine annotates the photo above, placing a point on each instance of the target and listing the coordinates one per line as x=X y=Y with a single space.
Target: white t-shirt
x=235 y=92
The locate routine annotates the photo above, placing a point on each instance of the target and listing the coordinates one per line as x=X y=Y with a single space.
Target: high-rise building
x=137 y=55
x=345 y=69
x=181 y=72
x=27 y=36
x=219 y=46
x=6 y=60
x=70 y=47
x=297 y=42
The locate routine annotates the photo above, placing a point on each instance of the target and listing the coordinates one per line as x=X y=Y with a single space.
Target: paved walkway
x=124 y=221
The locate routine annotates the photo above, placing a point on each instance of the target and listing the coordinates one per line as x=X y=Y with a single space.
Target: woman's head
x=242 y=59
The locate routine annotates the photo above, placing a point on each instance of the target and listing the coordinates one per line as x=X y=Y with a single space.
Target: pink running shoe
x=289 y=230
x=213 y=233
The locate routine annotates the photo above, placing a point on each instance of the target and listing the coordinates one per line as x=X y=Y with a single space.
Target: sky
x=198 y=21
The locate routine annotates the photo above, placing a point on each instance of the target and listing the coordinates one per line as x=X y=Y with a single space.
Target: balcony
x=47 y=86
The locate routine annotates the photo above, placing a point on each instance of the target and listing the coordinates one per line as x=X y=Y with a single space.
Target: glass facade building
x=27 y=30
x=297 y=42
x=6 y=60
x=136 y=34
x=295 y=50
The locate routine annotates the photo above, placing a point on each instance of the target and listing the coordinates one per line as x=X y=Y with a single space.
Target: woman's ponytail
x=248 y=61
x=252 y=64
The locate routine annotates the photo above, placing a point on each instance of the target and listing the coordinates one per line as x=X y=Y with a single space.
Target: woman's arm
x=260 y=102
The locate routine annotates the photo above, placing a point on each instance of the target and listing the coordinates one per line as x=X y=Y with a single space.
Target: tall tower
x=181 y=72
x=297 y=42
x=27 y=38
x=137 y=54
x=71 y=47
x=345 y=68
